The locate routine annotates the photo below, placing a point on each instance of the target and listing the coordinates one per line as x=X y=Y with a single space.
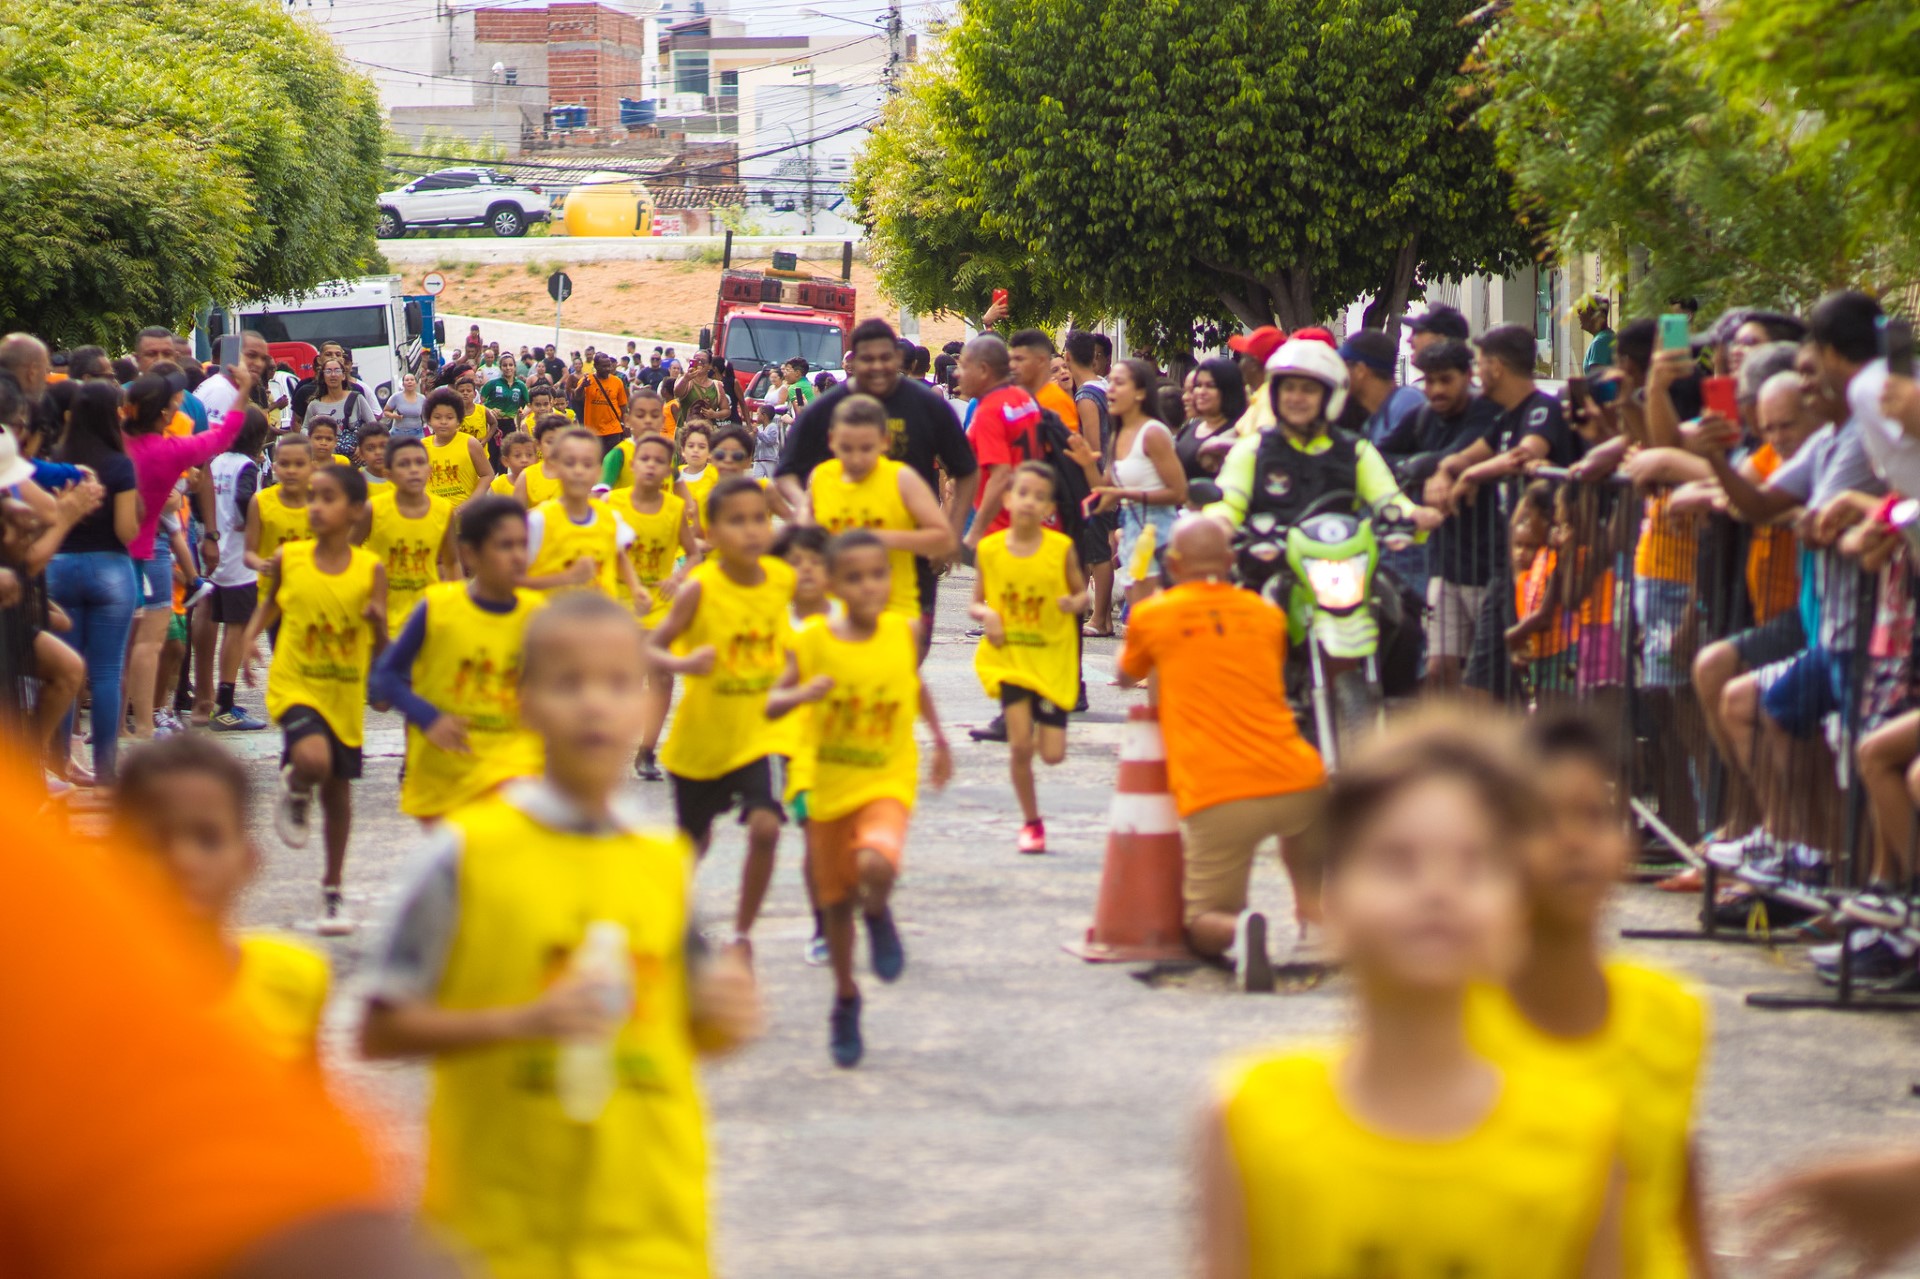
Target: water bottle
x=1142 y=565
x=586 y=1072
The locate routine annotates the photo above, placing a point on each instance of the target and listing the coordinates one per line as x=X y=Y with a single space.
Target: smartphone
x=1674 y=334
x=1721 y=395
x=1577 y=394
x=226 y=351
x=999 y=297
x=1896 y=343
x=1605 y=391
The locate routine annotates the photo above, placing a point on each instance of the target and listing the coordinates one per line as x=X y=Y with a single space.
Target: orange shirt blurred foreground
x=140 y=1135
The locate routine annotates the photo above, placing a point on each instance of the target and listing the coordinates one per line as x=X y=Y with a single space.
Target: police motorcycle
x=1311 y=546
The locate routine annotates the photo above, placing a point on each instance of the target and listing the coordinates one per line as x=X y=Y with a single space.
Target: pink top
x=159 y=460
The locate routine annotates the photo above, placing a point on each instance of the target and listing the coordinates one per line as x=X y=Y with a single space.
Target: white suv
x=462 y=197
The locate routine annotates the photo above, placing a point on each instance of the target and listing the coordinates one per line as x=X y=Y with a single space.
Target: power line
x=477 y=80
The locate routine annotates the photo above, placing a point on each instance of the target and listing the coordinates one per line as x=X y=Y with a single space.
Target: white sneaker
x=334 y=921
x=1309 y=948
x=1251 y=962
x=1731 y=854
x=293 y=812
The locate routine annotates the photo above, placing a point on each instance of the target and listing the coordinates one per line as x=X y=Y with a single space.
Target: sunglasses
x=729 y=455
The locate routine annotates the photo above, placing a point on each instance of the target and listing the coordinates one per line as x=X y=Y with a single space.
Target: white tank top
x=231 y=520
x=1136 y=470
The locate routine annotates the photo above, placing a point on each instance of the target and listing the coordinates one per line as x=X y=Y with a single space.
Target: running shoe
x=236 y=720
x=1880 y=906
x=1828 y=955
x=1033 y=837
x=844 y=1037
x=647 y=768
x=1886 y=958
x=165 y=725
x=1309 y=949
x=293 y=811
x=1080 y=702
x=1766 y=866
x=1690 y=880
x=333 y=915
x=995 y=730
x=817 y=955
x=1252 y=965
x=883 y=939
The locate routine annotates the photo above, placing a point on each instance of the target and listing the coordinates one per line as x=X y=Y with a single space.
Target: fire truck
x=764 y=318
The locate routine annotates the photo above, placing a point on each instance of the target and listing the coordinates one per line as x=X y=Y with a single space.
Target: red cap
x=1317 y=334
x=1257 y=345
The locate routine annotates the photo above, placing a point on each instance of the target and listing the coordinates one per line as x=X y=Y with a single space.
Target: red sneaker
x=1690 y=880
x=1033 y=837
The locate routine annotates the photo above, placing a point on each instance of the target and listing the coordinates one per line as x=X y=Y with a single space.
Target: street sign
x=434 y=283
x=559 y=286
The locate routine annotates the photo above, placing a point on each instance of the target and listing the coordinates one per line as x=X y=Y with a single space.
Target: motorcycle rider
x=1286 y=467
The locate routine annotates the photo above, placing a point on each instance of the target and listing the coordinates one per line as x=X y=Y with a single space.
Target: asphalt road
x=1021 y=1113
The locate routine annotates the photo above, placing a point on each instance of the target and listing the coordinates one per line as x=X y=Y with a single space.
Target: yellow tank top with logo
x=793 y=731
x=541 y=487
x=326 y=643
x=1518 y=1197
x=655 y=546
x=1041 y=652
x=1647 y=1057
x=278 y=994
x=453 y=476
x=563 y=543
x=509 y=1176
x=469 y=665
x=873 y=502
x=862 y=732
x=280 y=523
x=623 y=479
x=409 y=548
x=722 y=721
x=698 y=486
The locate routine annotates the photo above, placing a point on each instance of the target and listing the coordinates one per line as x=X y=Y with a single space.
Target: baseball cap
x=1314 y=333
x=1257 y=345
x=1372 y=348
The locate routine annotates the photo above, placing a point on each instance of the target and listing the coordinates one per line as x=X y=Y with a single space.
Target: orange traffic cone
x=1138 y=915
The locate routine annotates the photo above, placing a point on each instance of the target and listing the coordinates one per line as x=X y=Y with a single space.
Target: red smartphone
x=1720 y=395
x=999 y=297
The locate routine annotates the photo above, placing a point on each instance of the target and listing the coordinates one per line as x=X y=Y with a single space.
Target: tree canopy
x=1191 y=165
x=157 y=155
x=1656 y=134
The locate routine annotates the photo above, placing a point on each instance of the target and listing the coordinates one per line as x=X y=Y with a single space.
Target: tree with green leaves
x=159 y=155
x=1198 y=165
x=1635 y=130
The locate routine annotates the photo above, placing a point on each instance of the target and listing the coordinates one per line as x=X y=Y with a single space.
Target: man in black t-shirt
x=922 y=432
x=1530 y=429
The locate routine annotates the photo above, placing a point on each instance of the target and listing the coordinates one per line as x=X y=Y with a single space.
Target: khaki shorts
x=1452 y=611
x=1222 y=840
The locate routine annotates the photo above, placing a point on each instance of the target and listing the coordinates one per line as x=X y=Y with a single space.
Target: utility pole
x=896 y=46
x=807 y=71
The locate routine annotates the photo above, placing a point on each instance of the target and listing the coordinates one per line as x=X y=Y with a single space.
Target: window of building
x=729 y=84
x=511 y=75
x=690 y=71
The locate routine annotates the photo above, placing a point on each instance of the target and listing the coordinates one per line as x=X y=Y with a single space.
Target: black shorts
x=929 y=584
x=758 y=785
x=1489 y=669
x=1094 y=541
x=301 y=722
x=234 y=605
x=1045 y=713
x=1772 y=641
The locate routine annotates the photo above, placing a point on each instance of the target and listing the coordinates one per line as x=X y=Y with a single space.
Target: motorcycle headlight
x=1338 y=585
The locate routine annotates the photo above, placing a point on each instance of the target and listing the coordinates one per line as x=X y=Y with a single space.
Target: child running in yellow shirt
x=574 y=541
x=518 y=452
x=803 y=548
x=459 y=460
x=1571 y=1011
x=328 y=598
x=861 y=673
x=373 y=456
x=727 y=634
x=187 y=800
x=1028 y=595
x=663 y=552
x=325 y=434
x=697 y=475
x=1404 y=1151
x=646 y=415
x=277 y=515
x=861 y=487
x=539 y=482
x=411 y=531
x=542 y=956
x=454 y=670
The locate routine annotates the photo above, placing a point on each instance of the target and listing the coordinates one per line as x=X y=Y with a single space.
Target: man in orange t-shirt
x=601 y=403
x=1240 y=771
x=141 y=1136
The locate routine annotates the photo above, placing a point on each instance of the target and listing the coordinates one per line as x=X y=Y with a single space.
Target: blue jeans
x=98 y=590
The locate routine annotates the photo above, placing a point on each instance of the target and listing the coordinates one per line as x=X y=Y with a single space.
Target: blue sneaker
x=889 y=956
x=845 y=1037
x=236 y=720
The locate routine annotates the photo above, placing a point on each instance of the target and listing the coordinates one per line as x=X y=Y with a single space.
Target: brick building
x=585 y=54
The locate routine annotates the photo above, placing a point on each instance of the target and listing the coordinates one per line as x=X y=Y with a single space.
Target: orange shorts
x=833 y=847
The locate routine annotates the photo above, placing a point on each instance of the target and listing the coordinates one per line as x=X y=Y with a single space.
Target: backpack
x=1070 y=485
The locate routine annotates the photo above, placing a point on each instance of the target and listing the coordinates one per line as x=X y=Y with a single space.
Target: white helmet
x=1310 y=358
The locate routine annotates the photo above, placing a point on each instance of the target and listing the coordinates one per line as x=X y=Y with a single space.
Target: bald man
x=1241 y=773
x=24 y=358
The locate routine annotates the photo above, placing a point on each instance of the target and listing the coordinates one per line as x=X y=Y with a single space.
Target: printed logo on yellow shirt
x=447 y=475
x=490 y=691
x=329 y=654
x=1023 y=608
x=752 y=659
x=856 y=726
x=652 y=560
x=412 y=563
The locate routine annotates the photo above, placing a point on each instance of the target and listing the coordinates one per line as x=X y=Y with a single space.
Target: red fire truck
x=765 y=318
